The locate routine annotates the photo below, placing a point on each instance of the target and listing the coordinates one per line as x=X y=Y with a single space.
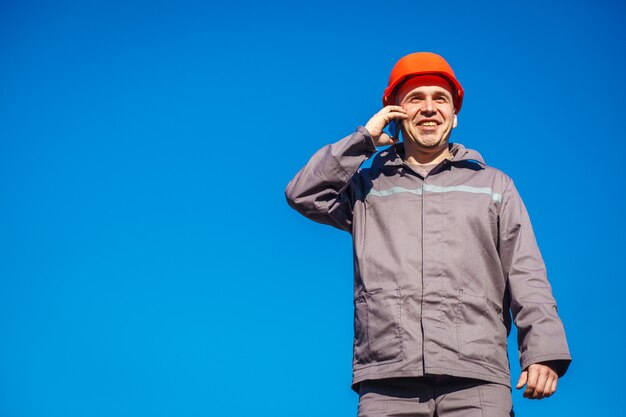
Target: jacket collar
x=394 y=155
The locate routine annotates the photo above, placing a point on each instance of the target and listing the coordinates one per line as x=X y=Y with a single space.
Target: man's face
x=429 y=105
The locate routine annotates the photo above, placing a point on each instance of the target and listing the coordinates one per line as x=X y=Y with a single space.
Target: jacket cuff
x=560 y=362
x=367 y=139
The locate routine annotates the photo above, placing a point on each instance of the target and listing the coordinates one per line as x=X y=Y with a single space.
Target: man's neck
x=416 y=156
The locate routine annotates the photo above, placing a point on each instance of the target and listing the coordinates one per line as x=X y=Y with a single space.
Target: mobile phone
x=394 y=128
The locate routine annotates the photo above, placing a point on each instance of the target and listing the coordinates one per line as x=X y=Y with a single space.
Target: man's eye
x=415 y=99
x=441 y=100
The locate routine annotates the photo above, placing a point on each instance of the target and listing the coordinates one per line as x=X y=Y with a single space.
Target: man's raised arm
x=321 y=190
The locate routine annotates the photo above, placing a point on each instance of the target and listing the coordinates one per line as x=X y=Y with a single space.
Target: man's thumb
x=385 y=140
x=522 y=380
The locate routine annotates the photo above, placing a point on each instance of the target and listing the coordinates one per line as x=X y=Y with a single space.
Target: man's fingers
x=389 y=113
x=531 y=384
x=542 y=380
x=547 y=391
x=397 y=115
x=522 y=379
x=551 y=384
x=394 y=115
x=387 y=110
x=393 y=108
x=381 y=119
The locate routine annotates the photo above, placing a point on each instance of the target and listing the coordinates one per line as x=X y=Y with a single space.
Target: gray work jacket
x=440 y=262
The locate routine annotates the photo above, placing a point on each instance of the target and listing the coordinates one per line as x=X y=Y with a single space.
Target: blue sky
x=149 y=263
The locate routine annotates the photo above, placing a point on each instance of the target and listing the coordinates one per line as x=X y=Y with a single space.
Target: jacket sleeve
x=540 y=333
x=324 y=190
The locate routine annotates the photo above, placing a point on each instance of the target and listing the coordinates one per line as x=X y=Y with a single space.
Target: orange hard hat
x=422 y=63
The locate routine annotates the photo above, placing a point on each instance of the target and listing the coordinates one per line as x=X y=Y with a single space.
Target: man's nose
x=427 y=105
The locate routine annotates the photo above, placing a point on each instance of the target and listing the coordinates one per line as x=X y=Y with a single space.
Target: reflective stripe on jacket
x=440 y=262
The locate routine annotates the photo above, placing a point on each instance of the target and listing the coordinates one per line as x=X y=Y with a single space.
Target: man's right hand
x=381 y=119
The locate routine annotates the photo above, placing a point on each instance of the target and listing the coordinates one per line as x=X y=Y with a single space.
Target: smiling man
x=445 y=258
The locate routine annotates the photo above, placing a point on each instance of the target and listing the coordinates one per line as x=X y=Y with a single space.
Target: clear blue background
x=149 y=265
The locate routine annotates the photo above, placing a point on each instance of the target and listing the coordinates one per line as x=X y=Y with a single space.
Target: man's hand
x=381 y=119
x=540 y=380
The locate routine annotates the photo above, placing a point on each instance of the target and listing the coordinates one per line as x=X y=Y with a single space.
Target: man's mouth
x=428 y=123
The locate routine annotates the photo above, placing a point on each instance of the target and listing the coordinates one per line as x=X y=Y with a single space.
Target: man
x=444 y=252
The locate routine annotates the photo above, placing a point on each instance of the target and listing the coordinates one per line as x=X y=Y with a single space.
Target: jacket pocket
x=377 y=331
x=481 y=332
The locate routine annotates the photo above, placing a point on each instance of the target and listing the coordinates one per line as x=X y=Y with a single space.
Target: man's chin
x=432 y=144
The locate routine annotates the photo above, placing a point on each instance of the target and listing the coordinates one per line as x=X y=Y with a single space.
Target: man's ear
x=454 y=122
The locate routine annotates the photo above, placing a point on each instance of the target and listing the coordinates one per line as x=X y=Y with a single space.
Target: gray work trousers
x=432 y=396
